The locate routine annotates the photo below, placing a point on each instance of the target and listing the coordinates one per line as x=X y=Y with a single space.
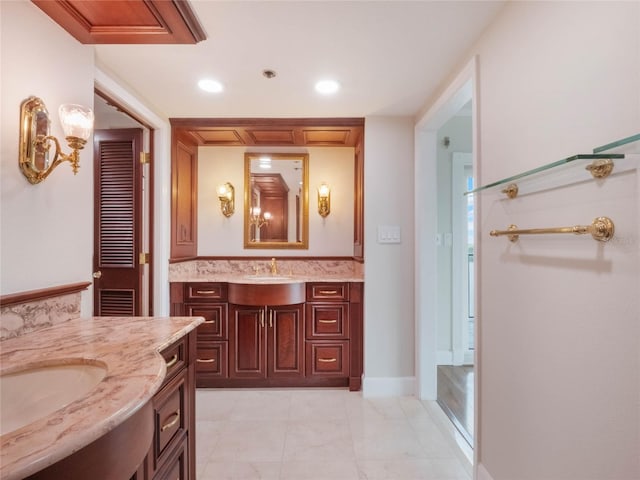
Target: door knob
x=97 y=274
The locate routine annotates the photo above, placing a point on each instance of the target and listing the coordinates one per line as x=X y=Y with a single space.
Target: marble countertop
x=263 y=278
x=128 y=346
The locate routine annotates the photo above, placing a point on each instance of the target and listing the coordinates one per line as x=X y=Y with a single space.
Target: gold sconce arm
x=35 y=141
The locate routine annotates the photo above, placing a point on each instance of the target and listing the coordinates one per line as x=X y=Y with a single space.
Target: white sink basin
x=35 y=392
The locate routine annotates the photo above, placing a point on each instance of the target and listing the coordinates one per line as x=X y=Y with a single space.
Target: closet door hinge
x=143 y=258
x=145 y=157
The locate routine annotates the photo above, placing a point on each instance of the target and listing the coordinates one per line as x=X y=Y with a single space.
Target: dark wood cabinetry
x=315 y=343
x=184 y=194
x=266 y=342
x=172 y=452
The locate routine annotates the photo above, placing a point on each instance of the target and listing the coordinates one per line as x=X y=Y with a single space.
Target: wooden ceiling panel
x=272 y=137
x=125 y=21
x=226 y=137
x=331 y=132
x=326 y=137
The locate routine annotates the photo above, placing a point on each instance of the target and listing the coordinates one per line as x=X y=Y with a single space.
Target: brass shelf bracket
x=601 y=229
x=600 y=168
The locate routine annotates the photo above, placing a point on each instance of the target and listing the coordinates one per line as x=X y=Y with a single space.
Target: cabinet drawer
x=327 y=320
x=177 y=464
x=328 y=291
x=176 y=357
x=205 y=291
x=212 y=359
x=170 y=416
x=328 y=358
x=215 y=320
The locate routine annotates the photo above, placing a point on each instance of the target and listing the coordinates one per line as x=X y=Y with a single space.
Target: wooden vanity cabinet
x=265 y=343
x=328 y=330
x=208 y=300
x=172 y=452
x=316 y=343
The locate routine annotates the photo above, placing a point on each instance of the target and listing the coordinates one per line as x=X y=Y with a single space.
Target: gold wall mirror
x=276 y=200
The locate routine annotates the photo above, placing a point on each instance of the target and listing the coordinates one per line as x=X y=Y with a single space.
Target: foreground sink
x=33 y=393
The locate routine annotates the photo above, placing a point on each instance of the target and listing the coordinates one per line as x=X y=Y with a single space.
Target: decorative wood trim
x=41 y=294
x=331 y=132
x=131 y=22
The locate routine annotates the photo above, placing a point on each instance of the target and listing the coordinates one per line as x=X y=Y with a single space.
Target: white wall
x=559 y=362
x=46 y=229
x=389 y=268
x=221 y=236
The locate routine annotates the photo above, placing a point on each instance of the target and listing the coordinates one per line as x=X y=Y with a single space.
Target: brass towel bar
x=601 y=229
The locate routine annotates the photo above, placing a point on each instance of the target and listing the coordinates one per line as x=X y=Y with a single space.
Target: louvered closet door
x=118 y=222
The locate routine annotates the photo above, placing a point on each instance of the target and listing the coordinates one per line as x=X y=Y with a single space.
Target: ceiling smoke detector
x=269 y=73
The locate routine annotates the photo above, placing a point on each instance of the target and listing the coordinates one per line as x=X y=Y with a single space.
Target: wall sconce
x=227 y=196
x=324 y=200
x=35 y=141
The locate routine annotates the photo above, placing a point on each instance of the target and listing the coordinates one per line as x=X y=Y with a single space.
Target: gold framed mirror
x=276 y=200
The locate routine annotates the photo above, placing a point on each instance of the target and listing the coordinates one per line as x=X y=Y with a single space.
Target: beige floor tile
x=321 y=434
x=241 y=471
x=321 y=440
x=411 y=470
x=319 y=470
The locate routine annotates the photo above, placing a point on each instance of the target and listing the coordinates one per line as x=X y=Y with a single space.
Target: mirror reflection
x=276 y=200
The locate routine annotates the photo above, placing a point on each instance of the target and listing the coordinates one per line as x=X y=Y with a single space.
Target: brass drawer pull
x=327 y=360
x=328 y=292
x=205 y=292
x=205 y=360
x=327 y=321
x=173 y=361
x=175 y=417
x=209 y=321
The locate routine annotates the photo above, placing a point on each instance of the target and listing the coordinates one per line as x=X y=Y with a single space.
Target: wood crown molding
x=41 y=294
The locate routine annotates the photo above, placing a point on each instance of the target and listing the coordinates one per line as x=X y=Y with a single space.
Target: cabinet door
x=246 y=341
x=284 y=341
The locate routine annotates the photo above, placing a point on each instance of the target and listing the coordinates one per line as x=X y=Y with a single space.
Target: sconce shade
x=77 y=121
x=324 y=200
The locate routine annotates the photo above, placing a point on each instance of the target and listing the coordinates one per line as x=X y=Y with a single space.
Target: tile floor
x=323 y=434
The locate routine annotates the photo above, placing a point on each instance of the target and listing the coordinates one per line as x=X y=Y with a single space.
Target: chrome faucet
x=274 y=267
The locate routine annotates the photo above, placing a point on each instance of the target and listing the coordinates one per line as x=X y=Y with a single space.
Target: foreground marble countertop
x=128 y=346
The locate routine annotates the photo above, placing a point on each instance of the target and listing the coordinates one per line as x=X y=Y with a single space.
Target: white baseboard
x=388 y=386
x=445 y=357
x=482 y=474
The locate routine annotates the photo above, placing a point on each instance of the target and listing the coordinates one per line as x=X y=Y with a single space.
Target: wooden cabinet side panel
x=358 y=204
x=356 y=331
x=184 y=208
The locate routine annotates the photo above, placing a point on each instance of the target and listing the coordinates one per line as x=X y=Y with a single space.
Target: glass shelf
x=623 y=155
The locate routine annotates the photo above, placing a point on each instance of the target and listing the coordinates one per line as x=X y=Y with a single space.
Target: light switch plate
x=389 y=234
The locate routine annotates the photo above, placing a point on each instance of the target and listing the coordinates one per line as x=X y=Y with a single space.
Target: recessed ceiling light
x=327 y=87
x=209 y=85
